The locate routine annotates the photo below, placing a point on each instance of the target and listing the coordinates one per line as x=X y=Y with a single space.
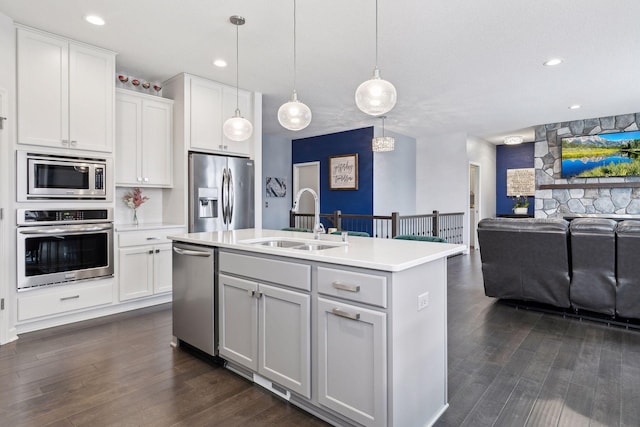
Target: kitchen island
x=353 y=332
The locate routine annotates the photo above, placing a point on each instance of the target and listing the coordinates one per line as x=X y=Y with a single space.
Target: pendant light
x=383 y=143
x=294 y=115
x=237 y=128
x=376 y=96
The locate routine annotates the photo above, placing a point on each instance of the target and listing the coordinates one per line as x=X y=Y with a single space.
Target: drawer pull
x=350 y=288
x=68 y=298
x=153 y=238
x=251 y=293
x=342 y=313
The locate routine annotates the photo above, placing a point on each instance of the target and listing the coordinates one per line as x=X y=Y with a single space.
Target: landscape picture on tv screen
x=606 y=154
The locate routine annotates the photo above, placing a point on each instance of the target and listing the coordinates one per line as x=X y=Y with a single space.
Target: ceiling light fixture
x=294 y=115
x=575 y=106
x=383 y=143
x=220 y=63
x=237 y=128
x=376 y=96
x=552 y=62
x=513 y=140
x=94 y=19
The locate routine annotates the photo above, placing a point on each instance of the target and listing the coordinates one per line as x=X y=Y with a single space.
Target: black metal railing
x=449 y=226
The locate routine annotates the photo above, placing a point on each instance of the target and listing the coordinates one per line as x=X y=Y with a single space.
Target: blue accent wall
x=511 y=157
x=319 y=148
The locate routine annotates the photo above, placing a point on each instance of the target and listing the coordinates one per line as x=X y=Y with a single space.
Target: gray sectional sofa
x=590 y=264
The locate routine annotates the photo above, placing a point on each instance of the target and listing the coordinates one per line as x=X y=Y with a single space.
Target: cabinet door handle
x=2 y=119
x=146 y=179
x=65 y=142
x=74 y=143
x=251 y=293
x=68 y=298
x=151 y=251
x=139 y=179
x=345 y=287
x=342 y=313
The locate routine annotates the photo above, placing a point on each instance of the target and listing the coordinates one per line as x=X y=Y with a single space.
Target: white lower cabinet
x=145 y=263
x=352 y=363
x=64 y=299
x=266 y=329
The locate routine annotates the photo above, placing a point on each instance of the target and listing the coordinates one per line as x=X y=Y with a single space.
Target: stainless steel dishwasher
x=194 y=296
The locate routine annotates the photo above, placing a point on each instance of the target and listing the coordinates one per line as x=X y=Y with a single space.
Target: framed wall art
x=343 y=172
x=276 y=187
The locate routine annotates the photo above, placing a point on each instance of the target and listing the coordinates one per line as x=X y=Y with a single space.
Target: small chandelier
x=237 y=128
x=383 y=143
x=376 y=96
x=513 y=140
x=294 y=115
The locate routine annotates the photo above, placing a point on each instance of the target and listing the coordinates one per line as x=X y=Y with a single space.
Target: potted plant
x=520 y=205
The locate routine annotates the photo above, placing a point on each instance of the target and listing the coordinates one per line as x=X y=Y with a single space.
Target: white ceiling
x=471 y=66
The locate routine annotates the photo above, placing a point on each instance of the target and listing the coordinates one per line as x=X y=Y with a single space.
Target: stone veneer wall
x=559 y=202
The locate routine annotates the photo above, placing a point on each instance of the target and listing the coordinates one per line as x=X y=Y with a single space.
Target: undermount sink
x=302 y=245
x=279 y=243
x=314 y=247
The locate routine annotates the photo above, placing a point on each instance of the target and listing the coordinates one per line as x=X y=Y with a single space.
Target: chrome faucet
x=317 y=225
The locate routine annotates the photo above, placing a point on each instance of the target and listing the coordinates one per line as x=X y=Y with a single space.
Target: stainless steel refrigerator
x=221 y=193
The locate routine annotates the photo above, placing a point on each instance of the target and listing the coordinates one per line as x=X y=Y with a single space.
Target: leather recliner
x=593 y=264
x=526 y=259
x=628 y=268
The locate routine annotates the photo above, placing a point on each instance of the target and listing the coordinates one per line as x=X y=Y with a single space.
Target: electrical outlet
x=423 y=301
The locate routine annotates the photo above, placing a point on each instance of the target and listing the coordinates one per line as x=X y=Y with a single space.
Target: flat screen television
x=602 y=155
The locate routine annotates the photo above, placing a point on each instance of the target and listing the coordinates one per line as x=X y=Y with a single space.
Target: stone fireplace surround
x=605 y=200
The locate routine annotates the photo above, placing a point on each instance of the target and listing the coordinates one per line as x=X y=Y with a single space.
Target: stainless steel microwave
x=48 y=176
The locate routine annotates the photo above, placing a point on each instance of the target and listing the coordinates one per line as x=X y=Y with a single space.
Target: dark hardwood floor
x=507 y=367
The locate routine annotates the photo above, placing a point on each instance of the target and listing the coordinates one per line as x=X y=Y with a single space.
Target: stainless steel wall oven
x=57 y=246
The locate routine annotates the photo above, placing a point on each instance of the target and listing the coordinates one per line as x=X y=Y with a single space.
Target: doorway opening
x=306 y=175
x=474 y=204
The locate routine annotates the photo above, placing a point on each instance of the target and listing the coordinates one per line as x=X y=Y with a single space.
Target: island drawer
x=73 y=297
x=146 y=237
x=353 y=286
x=267 y=270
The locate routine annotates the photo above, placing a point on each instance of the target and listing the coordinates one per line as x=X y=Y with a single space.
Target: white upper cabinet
x=206 y=115
x=65 y=93
x=144 y=140
x=202 y=106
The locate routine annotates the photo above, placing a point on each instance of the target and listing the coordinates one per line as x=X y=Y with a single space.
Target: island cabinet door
x=352 y=361
x=238 y=321
x=284 y=338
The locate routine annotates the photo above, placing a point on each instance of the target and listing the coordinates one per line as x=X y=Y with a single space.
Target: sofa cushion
x=628 y=269
x=593 y=265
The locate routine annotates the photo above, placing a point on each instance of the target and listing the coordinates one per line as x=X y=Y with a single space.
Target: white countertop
x=367 y=252
x=146 y=226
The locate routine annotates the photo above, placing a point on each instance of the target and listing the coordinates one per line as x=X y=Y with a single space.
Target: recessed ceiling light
x=220 y=63
x=575 y=106
x=551 y=62
x=94 y=19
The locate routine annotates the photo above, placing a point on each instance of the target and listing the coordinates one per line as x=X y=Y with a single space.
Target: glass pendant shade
x=294 y=115
x=237 y=128
x=383 y=143
x=376 y=96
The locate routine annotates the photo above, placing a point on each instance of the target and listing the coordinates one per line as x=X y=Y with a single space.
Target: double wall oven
x=57 y=246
